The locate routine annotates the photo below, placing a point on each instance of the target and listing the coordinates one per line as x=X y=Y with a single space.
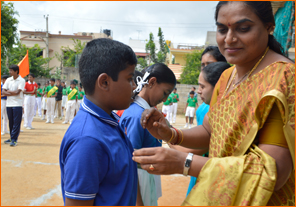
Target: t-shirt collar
x=93 y=109
x=141 y=102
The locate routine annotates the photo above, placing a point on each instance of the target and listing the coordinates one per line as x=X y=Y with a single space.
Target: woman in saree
x=250 y=127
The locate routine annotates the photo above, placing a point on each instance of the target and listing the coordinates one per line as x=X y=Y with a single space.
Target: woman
x=250 y=127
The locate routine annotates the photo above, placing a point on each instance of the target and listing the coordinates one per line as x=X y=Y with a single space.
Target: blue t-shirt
x=130 y=123
x=4 y=97
x=200 y=115
x=96 y=159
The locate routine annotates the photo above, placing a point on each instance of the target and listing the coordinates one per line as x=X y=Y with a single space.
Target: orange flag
x=24 y=66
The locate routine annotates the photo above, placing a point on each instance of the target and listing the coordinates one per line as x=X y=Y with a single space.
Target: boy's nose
x=134 y=85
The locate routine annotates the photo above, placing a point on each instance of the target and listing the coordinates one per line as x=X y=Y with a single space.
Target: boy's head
x=80 y=87
x=58 y=82
x=106 y=68
x=52 y=81
x=31 y=77
x=191 y=94
x=63 y=84
x=38 y=85
x=3 y=78
x=73 y=84
x=46 y=83
x=175 y=90
x=193 y=89
x=14 y=70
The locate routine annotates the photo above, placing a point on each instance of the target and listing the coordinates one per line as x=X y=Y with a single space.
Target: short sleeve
x=21 y=86
x=134 y=130
x=187 y=100
x=85 y=166
x=5 y=86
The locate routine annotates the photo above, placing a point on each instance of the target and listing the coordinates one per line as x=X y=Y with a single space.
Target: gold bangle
x=173 y=133
x=182 y=138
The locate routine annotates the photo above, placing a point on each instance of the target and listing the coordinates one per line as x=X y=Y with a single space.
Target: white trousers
x=78 y=105
x=43 y=103
x=70 y=110
x=4 y=117
x=167 y=110
x=37 y=106
x=29 y=105
x=174 y=108
x=50 y=109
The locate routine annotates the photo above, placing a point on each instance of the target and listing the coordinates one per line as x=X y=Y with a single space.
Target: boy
x=190 y=109
x=50 y=92
x=79 y=97
x=174 y=107
x=96 y=156
x=71 y=104
x=4 y=118
x=44 y=100
x=39 y=95
x=29 y=101
x=65 y=97
x=58 y=100
x=13 y=88
x=166 y=108
x=193 y=89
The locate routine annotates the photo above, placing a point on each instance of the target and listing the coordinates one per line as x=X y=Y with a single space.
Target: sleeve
x=5 y=86
x=187 y=100
x=22 y=85
x=86 y=165
x=134 y=131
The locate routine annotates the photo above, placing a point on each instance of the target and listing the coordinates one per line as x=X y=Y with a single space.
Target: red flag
x=24 y=66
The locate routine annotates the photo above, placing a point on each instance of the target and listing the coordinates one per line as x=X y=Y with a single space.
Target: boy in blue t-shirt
x=95 y=155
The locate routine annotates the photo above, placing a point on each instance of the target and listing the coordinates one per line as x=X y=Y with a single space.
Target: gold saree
x=240 y=173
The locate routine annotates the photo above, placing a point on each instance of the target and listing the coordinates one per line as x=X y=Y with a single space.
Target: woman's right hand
x=156 y=124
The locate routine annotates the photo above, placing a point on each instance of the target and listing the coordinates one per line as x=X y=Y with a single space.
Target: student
x=190 y=109
x=58 y=100
x=166 y=108
x=39 y=94
x=174 y=107
x=4 y=118
x=79 y=97
x=155 y=87
x=50 y=92
x=29 y=101
x=44 y=100
x=13 y=88
x=193 y=89
x=65 y=97
x=71 y=104
x=96 y=156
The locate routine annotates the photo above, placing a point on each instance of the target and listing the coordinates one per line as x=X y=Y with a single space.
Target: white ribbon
x=141 y=82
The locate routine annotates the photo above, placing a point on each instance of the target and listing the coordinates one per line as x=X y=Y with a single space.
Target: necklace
x=248 y=73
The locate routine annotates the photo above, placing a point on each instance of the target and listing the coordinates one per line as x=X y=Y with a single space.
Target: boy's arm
x=139 y=201
x=73 y=202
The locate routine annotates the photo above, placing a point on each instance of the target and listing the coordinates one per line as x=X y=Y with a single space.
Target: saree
x=239 y=172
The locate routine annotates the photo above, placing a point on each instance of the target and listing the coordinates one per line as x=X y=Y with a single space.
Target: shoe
x=28 y=128
x=25 y=126
x=40 y=116
x=7 y=141
x=47 y=122
x=13 y=144
x=21 y=130
x=174 y=122
x=52 y=122
x=2 y=133
x=186 y=125
x=171 y=122
x=7 y=132
x=43 y=118
x=65 y=122
x=190 y=126
x=60 y=118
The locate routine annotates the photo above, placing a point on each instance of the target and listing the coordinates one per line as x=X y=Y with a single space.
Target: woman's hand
x=164 y=160
x=156 y=124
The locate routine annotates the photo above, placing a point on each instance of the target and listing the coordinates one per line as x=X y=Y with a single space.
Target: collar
x=31 y=82
x=141 y=102
x=93 y=109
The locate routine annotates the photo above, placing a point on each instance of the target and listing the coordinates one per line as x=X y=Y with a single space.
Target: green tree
x=8 y=32
x=192 y=68
x=163 y=50
x=142 y=63
x=150 y=48
x=37 y=64
x=70 y=55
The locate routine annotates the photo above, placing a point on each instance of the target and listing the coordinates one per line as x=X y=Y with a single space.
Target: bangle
x=172 y=135
x=177 y=136
x=182 y=138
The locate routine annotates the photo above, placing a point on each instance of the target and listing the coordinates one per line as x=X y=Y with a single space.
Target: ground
x=30 y=173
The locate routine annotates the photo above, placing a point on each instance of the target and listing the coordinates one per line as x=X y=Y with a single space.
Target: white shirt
x=13 y=85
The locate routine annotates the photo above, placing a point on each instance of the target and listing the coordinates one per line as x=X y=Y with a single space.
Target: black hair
x=52 y=79
x=215 y=52
x=15 y=68
x=38 y=84
x=193 y=87
x=103 y=56
x=263 y=10
x=4 y=77
x=73 y=83
x=58 y=79
x=212 y=72
x=162 y=73
x=175 y=89
x=31 y=74
x=191 y=92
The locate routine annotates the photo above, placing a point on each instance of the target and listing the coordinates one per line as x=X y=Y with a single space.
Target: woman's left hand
x=160 y=161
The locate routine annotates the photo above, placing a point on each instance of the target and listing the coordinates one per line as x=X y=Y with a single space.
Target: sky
x=185 y=22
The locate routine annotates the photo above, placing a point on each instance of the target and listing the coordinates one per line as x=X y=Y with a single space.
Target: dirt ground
x=30 y=173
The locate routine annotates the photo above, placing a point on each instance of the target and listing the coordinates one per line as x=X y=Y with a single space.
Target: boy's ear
x=152 y=82
x=103 y=81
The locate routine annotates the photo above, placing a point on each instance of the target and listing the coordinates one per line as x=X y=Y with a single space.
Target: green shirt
x=40 y=91
x=73 y=97
x=80 y=93
x=48 y=88
x=192 y=102
x=64 y=91
x=173 y=97
x=168 y=101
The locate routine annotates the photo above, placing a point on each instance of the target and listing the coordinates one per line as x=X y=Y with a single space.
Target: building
x=211 y=39
x=57 y=41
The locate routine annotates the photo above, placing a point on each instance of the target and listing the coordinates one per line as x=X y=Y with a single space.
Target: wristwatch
x=187 y=163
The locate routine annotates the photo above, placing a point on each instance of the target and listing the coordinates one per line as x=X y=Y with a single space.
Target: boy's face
x=30 y=78
x=191 y=95
x=122 y=89
x=51 y=83
x=12 y=72
x=3 y=80
x=72 y=86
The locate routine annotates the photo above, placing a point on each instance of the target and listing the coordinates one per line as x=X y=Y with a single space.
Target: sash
x=52 y=91
x=72 y=93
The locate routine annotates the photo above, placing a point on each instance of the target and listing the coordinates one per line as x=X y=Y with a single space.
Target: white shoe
x=60 y=118
x=47 y=122
x=65 y=122
x=25 y=126
x=171 y=122
x=28 y=128
x=52 y=122
x=190 y=126
x=21 y=130
x=7 y=132
x=186 y=125
x=43 y=118
x=2 y=133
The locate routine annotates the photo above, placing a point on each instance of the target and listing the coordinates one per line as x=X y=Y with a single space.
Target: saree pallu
x=239 y=172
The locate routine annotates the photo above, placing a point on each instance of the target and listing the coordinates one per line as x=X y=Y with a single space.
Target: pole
x=47 y=49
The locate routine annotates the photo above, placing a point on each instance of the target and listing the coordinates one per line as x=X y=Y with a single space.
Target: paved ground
x=30 y=173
